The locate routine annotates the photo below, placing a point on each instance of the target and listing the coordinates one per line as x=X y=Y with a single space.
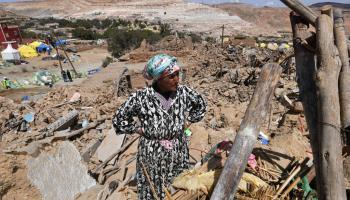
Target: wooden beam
x=327 y=10
x=344 y=82
x=306 y=73
x=302 y=10
x=247 y=135
x=306 y=13
x=330 y=170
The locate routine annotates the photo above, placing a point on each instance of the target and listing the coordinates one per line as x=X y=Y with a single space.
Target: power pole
x=222 y=36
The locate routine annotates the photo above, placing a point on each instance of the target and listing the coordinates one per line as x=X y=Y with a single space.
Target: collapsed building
x=64 y=143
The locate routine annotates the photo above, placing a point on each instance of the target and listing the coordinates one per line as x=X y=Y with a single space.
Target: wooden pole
x=306 y=13
x=330 y=170
x=344 y=82
x=327 y=10
x=65 y=53
x=70 y=62
x=59 y=60
x=302 y=10
x=306 y=73
x=148 y=178
x=248 y=133
x=344 y=77
x=222 y=35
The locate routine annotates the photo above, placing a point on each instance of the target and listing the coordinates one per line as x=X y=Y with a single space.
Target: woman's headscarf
x=159 y=66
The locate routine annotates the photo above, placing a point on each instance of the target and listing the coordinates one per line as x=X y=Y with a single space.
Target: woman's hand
x=140 y=131
x=187 y=125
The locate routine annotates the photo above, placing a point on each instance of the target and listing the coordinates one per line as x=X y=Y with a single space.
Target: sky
x=265 y=2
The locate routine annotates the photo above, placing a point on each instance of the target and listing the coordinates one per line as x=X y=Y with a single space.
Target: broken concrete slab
x=111 y=143
x=60 y=176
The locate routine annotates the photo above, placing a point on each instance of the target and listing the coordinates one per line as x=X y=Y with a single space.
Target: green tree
x=28 y=34
x=164 y=29
x=121 y=41
x=85 y=34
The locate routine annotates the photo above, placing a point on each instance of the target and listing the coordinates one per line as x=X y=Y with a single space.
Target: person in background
x=6 y=83
x=164 y=110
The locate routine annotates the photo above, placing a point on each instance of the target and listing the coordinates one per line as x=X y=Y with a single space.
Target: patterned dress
x=163 y=148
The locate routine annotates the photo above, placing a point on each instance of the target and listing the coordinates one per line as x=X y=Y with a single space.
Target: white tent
x=10 y=53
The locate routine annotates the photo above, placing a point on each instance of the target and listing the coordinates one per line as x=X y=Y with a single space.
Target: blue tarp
x=43 y=47
x=60 y=42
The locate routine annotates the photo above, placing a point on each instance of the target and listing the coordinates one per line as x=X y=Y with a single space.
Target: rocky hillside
x=181 y=15
x=271 y=18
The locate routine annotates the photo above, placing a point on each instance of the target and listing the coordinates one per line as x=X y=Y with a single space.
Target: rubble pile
x=82 y=116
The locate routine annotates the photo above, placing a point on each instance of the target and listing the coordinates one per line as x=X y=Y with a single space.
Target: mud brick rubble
x=225 y=76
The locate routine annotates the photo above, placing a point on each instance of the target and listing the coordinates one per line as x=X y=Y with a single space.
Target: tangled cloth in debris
x=195 y=180
x=161 y=162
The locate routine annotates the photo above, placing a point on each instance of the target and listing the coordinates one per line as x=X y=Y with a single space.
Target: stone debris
x=62 y=123
x=225 y=76
x=111 y=143
x=60 y=176
x=91 y=149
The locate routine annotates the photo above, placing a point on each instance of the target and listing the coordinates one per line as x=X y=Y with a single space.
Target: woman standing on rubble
x=161 y=109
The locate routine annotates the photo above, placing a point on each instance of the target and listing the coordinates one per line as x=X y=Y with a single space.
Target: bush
x=106 y=23
x=121 y=41
x=28 y=25
x=142 y=26
x=66 y=23
x=195 y=38
x=210 y=39
x=85 y=34
x=164 y=29
x=28 y=34
x=87 y=24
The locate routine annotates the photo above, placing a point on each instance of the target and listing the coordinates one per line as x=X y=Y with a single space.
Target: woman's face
x=169 y=83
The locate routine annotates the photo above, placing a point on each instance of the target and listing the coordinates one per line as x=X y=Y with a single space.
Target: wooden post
x=222 y=36
x=70 y=62
x=306 y=73
x=344 y=82
x=330 y=170
x=302 y=10
x=247 y=135
x=306 y=13
x=65 y=53
x=59 y=60
x=344 y=77
x=327 y=10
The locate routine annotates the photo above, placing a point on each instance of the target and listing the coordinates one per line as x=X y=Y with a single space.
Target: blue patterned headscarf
x=160 y=65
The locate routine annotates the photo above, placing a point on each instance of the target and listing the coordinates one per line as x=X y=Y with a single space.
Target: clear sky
x=265 y=2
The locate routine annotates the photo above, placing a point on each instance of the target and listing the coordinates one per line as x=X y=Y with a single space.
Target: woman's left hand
x=140 y=131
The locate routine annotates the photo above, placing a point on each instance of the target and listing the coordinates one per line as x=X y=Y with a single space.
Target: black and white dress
x=163 y=148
